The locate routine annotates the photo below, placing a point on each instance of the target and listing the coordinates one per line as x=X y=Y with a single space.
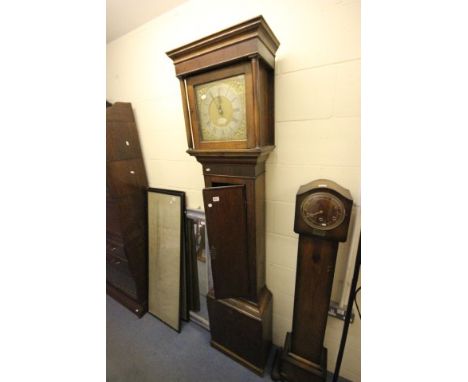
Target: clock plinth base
x=242 y=329
x=293 y=368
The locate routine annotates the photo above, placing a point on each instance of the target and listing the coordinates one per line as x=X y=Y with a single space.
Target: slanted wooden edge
x=325 y=184
x=255 y=155
x=255 y=28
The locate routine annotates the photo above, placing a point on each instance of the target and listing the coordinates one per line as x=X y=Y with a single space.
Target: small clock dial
x=221 y=109
x=323 y=211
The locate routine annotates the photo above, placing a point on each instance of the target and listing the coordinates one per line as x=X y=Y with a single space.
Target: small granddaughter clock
x=227 y=86
x=323 y=211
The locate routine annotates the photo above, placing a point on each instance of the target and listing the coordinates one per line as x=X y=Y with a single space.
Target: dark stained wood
x=238 y=42
x=254 y=253
x=183 y=93
x=227 y=235
x=254 y=156
x=266 y=104
x=112 y=218
x=297 y=369
x=125 y=141
x=256 y=90
x=314 y=281
x=303 y=358
x=126 y=177
x=247 y=48
x=339 y=233
x=260 y=246
x=242 y=330
x=236 y=329
x=130 y=303
x=126 y=220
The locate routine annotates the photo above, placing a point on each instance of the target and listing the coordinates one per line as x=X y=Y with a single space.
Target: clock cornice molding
x=247 y=39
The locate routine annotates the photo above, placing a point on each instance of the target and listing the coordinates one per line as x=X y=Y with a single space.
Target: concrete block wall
x=317 y=115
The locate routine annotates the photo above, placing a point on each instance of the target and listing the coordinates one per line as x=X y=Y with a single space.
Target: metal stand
x=357 y=267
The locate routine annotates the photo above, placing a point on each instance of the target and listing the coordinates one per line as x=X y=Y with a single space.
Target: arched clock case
x=322 y=217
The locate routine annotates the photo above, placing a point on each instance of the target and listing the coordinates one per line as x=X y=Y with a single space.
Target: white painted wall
x=317 y=122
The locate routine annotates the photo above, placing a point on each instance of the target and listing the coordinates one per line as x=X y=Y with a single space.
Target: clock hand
x=220 y=108
x=309 y=214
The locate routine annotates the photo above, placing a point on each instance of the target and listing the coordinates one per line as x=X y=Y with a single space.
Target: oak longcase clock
x=322 y=218
x=227 y=88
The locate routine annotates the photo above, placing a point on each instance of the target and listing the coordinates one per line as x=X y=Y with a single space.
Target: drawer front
x=122 y=141
x=126 y=177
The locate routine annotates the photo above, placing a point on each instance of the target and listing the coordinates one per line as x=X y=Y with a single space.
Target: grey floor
x=144 y=350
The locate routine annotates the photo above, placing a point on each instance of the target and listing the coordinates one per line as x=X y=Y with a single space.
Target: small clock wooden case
x=323 y=209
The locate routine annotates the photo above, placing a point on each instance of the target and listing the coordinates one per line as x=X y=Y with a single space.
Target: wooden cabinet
x=126 y=228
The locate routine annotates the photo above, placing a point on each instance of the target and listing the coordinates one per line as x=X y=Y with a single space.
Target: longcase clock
x=227 y=88
x=323 y=211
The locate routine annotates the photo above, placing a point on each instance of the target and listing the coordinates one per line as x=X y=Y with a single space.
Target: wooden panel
x=133 y=216
x=120 y=111
x=136 y=306
x=297 y=369
x=126 y=232
x=188 y=131
x=255 y=226
x=122 y=141
x=119 y=275
x=115 y=250
x=314 y=280
x=242 y=330
x=225 y=210
x=251 y=37
x=260 y=244
x=126 y=177
x=266 y=86
x=112 y=217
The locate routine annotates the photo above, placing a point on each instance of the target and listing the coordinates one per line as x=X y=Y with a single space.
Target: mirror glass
x=199 y=259
x=165 y=224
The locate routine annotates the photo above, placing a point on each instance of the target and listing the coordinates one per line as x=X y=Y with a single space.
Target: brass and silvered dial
x=323 y=211
x=221 y=109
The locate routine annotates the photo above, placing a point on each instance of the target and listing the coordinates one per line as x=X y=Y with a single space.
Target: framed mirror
x=199 y=277
x=166 y=209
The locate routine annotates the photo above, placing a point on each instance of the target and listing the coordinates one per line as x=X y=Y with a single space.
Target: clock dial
x=323 y=211
x=221 y=109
